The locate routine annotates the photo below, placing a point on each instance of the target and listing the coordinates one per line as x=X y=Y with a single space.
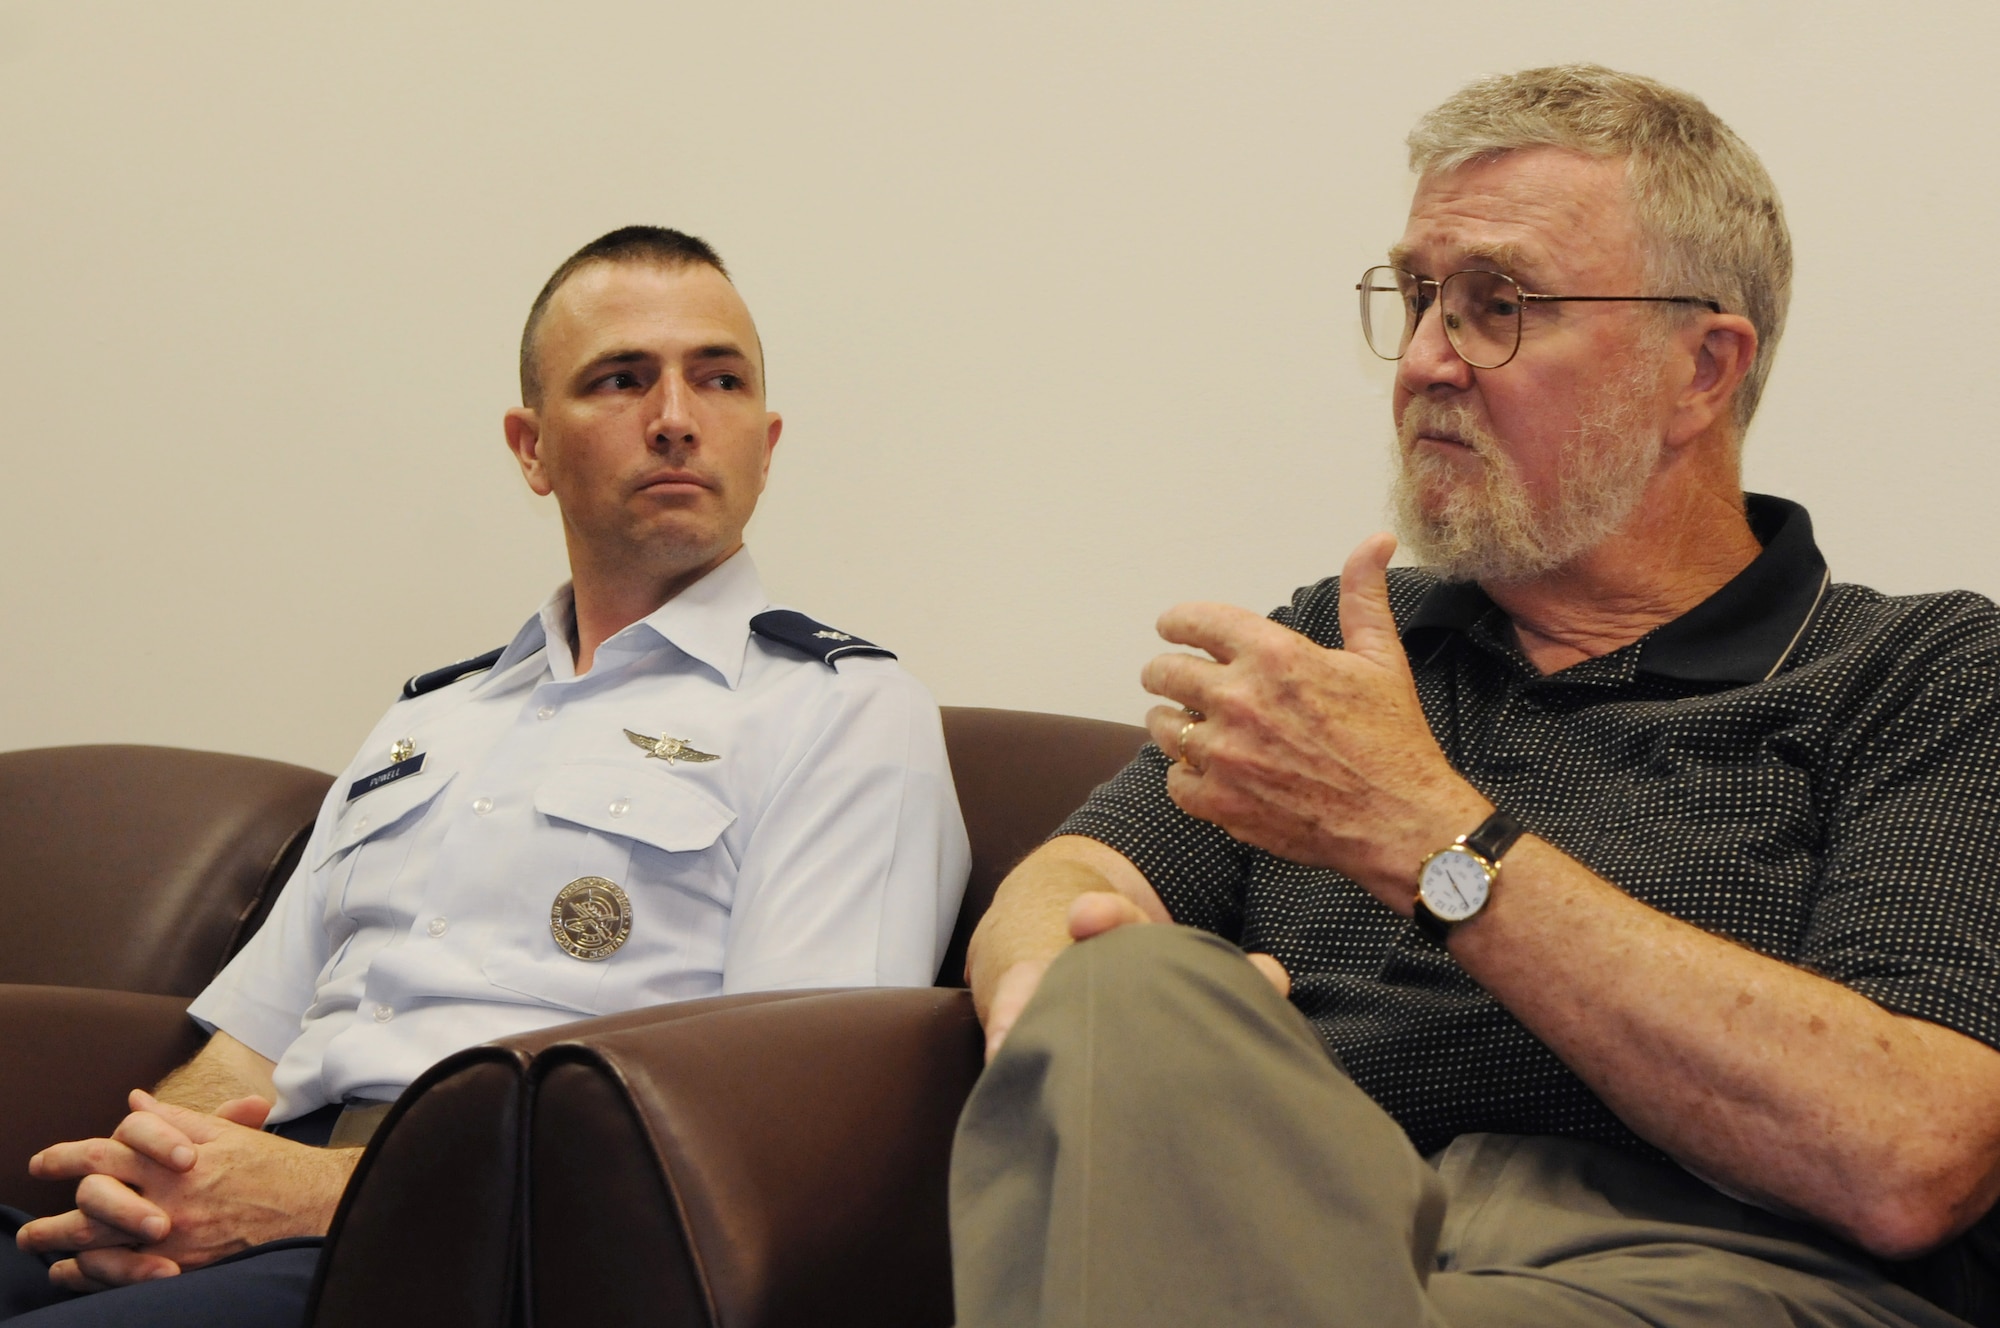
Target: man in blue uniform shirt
x=661 y=789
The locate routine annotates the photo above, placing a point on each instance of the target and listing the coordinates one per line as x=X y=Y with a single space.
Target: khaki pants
x=1165 y=1141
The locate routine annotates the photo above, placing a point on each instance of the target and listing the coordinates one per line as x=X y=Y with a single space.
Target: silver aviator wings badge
x=669 y=749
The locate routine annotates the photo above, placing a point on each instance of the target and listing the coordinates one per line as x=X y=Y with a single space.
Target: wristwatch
x=1454 y=882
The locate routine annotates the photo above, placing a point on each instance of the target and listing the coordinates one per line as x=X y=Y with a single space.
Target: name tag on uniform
x=369 y=783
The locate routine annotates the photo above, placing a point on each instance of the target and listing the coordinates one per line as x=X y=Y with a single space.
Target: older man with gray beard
x=1618 y=893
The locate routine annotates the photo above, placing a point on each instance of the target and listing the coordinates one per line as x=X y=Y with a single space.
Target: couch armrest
x=70 y=1056
x=755 y=1166
x=429 y=1230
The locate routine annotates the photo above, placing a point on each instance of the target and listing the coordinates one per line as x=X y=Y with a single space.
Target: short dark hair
x=658 y=245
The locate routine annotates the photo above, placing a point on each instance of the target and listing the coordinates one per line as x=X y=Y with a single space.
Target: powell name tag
x=369 y=783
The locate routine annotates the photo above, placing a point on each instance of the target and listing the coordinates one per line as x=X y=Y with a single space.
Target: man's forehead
x=1532 y=212
x=614 y=307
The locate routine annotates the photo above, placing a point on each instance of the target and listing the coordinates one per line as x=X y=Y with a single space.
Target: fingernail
x=154 y=1228
x=183 y=1157
x=158 y=1273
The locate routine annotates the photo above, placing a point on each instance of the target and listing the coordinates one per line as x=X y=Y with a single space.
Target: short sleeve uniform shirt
x=1810 y=769
x=821 y=847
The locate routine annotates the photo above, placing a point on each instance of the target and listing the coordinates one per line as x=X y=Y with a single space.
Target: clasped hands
x=174 y=1188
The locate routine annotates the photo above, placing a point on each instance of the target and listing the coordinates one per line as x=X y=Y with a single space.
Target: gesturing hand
x=174 y=1188
x=1320 y=756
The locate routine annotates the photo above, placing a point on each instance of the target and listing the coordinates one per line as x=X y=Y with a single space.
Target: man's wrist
x=1453 y=813
x=1456 y=882
x=334 y=1168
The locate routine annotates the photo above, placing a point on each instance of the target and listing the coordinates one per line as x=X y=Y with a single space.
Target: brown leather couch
x=767 y=1159
x=761 y=1159
x=134 y=873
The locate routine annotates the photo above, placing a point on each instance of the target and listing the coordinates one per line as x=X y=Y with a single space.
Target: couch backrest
x=1019 y=773
x=142 y=868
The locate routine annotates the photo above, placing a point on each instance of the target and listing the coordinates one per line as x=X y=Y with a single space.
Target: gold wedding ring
x=1180 y=744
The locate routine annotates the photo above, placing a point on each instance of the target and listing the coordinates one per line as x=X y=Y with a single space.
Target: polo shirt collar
x=1742 y=633
x=708 y=622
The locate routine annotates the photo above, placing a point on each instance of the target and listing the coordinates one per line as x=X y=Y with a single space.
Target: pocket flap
x=372 y=813
x=653 y=808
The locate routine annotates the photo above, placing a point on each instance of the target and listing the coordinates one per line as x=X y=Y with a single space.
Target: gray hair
x=1711 y=218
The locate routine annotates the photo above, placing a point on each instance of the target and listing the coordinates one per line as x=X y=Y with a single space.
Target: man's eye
x=619 y=381
x=729 y=382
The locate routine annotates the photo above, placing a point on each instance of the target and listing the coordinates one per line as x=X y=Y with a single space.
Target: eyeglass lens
x=1481 y=313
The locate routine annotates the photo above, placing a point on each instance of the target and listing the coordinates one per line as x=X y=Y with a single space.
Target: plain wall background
x=1058 y=300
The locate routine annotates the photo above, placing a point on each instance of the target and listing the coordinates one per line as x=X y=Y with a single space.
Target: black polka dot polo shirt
x=1810 y=769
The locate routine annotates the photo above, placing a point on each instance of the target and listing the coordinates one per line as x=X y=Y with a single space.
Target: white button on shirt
x=823 y=848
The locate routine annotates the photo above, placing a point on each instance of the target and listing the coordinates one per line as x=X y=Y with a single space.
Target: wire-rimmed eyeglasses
x=1481 y=310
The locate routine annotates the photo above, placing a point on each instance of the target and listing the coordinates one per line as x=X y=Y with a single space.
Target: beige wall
x=1057 y=297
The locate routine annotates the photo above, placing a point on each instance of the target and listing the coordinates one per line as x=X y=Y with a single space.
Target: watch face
x=1454 y=884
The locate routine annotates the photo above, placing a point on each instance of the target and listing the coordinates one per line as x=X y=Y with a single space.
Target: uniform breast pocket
x=371 y=841
x=658 y=839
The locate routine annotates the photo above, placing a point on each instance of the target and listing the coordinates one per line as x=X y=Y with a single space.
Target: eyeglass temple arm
x=1707 y=304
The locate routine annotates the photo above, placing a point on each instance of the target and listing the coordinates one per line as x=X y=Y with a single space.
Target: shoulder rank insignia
x=668 y=749
x=449 y=674
x=791 y=628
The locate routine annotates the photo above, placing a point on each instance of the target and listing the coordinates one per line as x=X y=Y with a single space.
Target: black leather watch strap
x=1495 y=835
x=1429 y=923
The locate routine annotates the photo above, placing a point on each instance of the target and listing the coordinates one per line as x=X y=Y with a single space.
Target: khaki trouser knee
x=1165 y=1141
x=1158 y=1095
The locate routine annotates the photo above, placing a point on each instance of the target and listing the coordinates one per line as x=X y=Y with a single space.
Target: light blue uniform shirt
x=824 y=848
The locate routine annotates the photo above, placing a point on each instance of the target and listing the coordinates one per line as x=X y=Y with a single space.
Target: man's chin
x=1446 y=532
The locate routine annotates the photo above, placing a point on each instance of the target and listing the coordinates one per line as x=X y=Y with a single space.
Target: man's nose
x=1430 y=363
x=673 y=416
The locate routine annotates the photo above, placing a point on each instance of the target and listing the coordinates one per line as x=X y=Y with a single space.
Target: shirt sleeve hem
x=264 y=1030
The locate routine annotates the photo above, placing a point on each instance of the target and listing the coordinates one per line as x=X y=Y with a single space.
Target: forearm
x=1772 y=1081
x=223 y=1070
x=1028 y=920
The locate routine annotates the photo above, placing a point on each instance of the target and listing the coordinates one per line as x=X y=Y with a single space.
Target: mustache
x=1454 y=420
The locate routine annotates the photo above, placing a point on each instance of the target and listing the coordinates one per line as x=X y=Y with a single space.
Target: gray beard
x=1489 y=527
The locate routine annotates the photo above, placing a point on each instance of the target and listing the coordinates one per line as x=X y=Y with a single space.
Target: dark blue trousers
x=264 y=1287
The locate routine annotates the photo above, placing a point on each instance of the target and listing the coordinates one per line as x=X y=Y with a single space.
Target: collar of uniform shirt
x=709 y=622
x=1740 y=634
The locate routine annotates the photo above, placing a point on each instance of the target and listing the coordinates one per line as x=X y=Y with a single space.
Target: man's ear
x=774 y=425
x=1722 y=360
x=523 y=426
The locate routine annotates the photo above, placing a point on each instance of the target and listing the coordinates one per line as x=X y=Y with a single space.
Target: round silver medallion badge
x=591 y=918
